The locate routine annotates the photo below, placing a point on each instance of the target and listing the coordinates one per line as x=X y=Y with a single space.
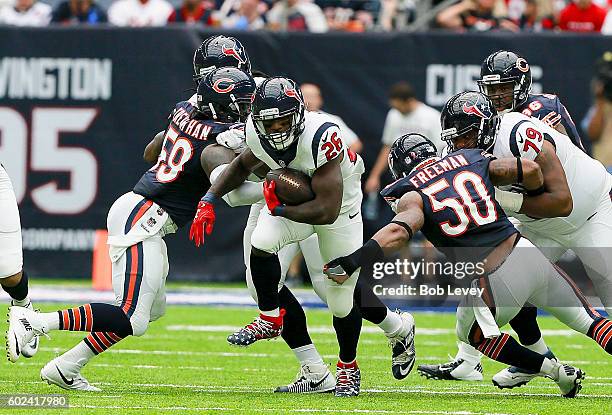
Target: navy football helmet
x=407 y=152
x=278 y=98
x=469 y=116
x=219 y=52
x=505 y=78
x=225 y=95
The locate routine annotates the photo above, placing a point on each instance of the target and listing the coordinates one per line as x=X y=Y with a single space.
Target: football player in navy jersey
x=451 y=200
x=505 y=77
x=164 y=200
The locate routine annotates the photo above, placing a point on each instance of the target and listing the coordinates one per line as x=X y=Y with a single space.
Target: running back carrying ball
x=292 y=186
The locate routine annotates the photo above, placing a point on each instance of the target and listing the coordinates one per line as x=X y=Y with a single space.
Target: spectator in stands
x=193 y=12
x=606 y=28
x=314 y=102
x=476 y=15
x=598 y=121
x=537 y=15
x=26 y=13
x=249 y=16
x=582 y=16
x=297 y=16
x=407 y=115
x=397 y=14
x=139 y=12
x=78 y=12
x=349 y=15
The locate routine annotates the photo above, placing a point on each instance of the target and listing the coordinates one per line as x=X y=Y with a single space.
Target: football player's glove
x=204 y=220
x=233 y=139
x=269 y=191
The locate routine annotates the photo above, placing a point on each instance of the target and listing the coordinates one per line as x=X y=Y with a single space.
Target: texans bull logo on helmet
x=477 y=109
x=224 y=85
x=290 y=92
x=233 y=53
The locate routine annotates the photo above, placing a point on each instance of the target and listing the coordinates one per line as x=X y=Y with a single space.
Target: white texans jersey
x=521 y=136
x=320 y=142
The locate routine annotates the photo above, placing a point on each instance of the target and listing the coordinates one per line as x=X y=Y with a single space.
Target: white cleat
x=66 y=376
x=312 y=378
x=513 y=377
x=403 y=354
x=457 y=369
x=31 y=348
x=568 y=378
x=24 y=326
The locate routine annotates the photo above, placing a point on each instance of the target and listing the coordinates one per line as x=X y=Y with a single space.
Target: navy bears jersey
x=462 y=218
x=549 y=109
x=177 y=182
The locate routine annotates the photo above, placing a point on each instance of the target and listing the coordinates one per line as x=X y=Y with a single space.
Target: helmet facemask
x=512 y=97
x=481 y=136
x=279 y=140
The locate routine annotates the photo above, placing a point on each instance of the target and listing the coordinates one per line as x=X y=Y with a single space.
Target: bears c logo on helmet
x=224 y=85
x=522 y=65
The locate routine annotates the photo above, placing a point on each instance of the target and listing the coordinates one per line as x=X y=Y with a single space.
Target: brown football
x=292 y=186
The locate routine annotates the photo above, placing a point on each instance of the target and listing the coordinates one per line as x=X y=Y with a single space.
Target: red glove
x=204 y=219
x=272 y=201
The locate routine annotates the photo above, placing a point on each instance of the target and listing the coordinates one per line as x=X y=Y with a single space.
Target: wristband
x=509 y=201
x=536 y=192
x=209 y=197
x=279 y=210
x=519 y=170
x=405 y=226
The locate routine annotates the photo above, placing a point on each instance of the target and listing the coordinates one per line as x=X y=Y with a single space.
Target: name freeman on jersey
x=431 y=172
x=192 y=127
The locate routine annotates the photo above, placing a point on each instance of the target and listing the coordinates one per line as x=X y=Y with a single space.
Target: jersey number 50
x=465 y=209
x=175 y=152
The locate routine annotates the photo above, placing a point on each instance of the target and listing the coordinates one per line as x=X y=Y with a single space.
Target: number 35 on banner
x=46 y=155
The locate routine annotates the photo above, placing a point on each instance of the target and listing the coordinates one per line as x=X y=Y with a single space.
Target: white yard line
x=284 y=410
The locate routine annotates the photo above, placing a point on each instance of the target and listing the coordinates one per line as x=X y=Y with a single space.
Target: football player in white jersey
x=572 y=211
x=280 y=133
x=314 y=375
x=13 y=277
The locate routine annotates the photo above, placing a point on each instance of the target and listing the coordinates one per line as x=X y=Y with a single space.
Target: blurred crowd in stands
x=321 y=15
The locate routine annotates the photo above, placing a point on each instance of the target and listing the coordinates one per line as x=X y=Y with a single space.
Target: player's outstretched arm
x=508 y=171
x=234 y=175
x=327 y=186
x=215 y=159
x=388 y=240
x=152 y=150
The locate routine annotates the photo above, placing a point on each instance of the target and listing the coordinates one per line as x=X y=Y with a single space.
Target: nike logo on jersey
x=352 y=216
x=314 y=385
x=66 y=381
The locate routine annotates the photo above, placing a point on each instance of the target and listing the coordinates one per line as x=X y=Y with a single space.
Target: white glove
x=234 y=139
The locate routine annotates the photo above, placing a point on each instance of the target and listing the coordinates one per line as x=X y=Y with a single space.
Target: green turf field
x=183 y=365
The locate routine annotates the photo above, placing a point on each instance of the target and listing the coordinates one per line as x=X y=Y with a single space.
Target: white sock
x=22 y=303
x=539 y=346
x=548 y=368
x=469 y=354
x=271 y=313
x=392 y=324
x=52 y=320
x=79 y=354
x=308 y=354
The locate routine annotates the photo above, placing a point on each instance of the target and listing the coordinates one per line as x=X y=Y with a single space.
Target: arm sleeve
x=246 y=194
